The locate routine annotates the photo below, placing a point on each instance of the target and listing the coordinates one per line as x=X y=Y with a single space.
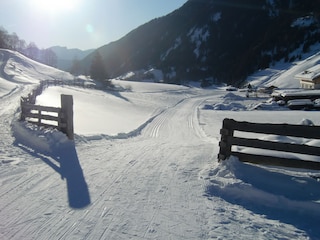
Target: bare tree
x=32 y=51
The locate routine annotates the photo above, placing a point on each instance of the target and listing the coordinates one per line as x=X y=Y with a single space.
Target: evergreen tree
x=76 y=66
x=97 y=70
x=3 y=38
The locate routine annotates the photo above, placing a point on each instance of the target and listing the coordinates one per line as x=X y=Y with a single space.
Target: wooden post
x=40 y=117
x=67 y=112
x=23 y=116
x=225 y=145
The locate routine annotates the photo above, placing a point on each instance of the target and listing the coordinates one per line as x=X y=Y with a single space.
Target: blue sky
x=82 y=24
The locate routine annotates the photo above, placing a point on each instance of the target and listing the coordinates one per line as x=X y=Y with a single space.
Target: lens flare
x=89 y=28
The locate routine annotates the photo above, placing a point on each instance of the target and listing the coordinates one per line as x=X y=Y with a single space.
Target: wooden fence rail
x=40 y=112
x=228 y=140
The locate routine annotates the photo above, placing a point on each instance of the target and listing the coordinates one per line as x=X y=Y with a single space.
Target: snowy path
x=9 y=105
x=151 y=186
x=136 y=184
x=145 y=178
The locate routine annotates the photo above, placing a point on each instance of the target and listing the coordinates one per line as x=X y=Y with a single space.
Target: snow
x=216 y=17
x=310 y=74
x=197 y=36
x=304 y=22
x=177 y=43
x=151 y=75
x=282 y=74
x=143 y=164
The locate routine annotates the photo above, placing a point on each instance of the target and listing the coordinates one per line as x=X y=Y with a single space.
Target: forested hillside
x=216 y=40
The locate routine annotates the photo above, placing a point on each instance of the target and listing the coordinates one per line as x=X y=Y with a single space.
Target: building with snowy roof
x=310 y=78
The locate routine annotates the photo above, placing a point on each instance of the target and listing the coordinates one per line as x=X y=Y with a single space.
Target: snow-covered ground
x=144 y=165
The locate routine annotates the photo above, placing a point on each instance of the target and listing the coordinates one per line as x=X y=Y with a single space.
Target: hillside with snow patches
x=197 y=41
x=143 y=164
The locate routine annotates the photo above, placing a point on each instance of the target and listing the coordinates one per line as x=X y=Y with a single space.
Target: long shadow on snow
x=293 y=200
x=117 y=94
x=64 y=160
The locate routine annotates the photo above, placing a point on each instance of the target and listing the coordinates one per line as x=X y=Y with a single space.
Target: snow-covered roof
x=309 y=74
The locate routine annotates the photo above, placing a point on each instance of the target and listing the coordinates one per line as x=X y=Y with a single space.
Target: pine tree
x=97 y=70
x=76 y=67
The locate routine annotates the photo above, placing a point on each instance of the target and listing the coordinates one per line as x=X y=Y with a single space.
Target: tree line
x=48 y=56
x=13 y=42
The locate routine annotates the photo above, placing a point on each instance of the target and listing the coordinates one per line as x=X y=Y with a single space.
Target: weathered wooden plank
x=29 y=106
x=276 y=161
x=277 y=146
x=312 y=132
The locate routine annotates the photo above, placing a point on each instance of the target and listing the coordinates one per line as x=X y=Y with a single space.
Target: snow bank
x=291 y=197
x=38 y=139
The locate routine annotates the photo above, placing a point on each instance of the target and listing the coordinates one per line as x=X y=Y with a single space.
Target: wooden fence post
x=225 y=145
x=22 y=116
x=67 y=111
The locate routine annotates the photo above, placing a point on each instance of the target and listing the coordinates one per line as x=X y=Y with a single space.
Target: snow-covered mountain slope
x=150 y=172
x=224 y=41
x=282 y=74
x=17 y=70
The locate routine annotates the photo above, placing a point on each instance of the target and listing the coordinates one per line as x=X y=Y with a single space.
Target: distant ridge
x=66 y=56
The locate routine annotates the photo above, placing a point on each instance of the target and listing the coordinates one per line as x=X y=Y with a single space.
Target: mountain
x=224 y=41
x=66 y=56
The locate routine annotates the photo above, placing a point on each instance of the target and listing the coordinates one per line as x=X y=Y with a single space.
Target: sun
x=54 y=6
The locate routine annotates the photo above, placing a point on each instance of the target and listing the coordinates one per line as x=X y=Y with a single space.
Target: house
x=310 y=78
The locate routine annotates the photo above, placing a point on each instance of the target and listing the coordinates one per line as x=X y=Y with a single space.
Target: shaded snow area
x=143 y=165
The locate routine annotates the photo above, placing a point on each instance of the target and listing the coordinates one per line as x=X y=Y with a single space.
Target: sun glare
x=54 y=5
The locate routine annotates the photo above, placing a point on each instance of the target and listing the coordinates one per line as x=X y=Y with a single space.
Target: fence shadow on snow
x=64 y=160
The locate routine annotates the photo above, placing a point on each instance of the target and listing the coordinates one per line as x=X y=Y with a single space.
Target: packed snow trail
x=136 y=185
x=145 y=178
x=151 y=186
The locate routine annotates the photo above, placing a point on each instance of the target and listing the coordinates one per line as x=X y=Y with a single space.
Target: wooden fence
x=228 y=140
x=60 y=118
x=31 y=98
